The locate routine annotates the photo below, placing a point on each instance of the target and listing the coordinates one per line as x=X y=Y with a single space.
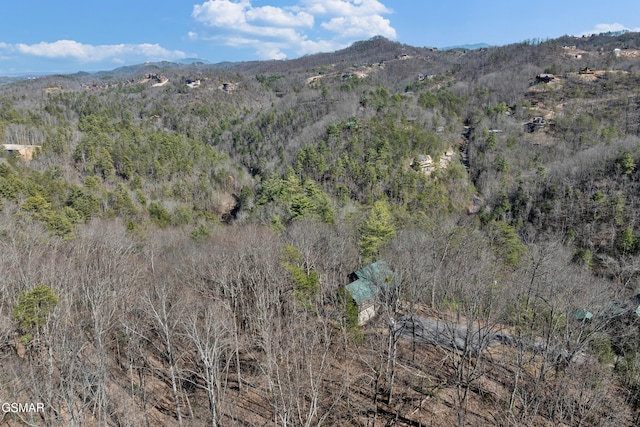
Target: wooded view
x=177 y=240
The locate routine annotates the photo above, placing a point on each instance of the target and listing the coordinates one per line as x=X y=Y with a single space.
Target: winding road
x=469 y=340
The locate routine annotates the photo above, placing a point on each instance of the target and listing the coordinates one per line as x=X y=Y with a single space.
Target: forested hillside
x=176 y=239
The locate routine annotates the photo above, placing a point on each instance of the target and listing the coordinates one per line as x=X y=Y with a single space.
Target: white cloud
x=308 y=27
x=607 y=28
x=279 y=17
x=90 y=53
x=315 y=46
x=345 y=7
x=359 y=27
x=221 y=13
x=237 y=41
x=273 y=52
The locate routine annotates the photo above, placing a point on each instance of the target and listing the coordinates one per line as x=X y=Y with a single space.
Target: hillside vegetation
x=176 y=251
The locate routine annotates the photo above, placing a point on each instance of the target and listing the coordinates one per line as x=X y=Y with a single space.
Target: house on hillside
x=366 y=286
x=425 y=164
x=228 y=87
x=24 y=151
x=163 y=81
x=544 y=78
x=615 y=310
x=446 y=158
x=535 y=125
x=582 y=314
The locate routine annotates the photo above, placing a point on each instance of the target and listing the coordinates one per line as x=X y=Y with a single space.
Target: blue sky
x=71 y=35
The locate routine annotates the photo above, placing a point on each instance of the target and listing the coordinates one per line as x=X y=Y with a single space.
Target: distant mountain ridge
x=196 y=61
x=468 y=46
x=374 y=50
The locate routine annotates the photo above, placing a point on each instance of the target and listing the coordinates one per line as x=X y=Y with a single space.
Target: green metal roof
x=614 y=309
x=371 y=279
x=362 y=290
x=582 y=314
x=379 y=271
x=636 y=300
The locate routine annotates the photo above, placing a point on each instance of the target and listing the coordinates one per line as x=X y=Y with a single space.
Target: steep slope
x=177 y=250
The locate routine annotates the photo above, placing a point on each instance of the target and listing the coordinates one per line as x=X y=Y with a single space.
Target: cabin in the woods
x=367 y=284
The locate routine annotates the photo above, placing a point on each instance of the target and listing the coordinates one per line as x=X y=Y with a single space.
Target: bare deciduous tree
x=207 y=328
